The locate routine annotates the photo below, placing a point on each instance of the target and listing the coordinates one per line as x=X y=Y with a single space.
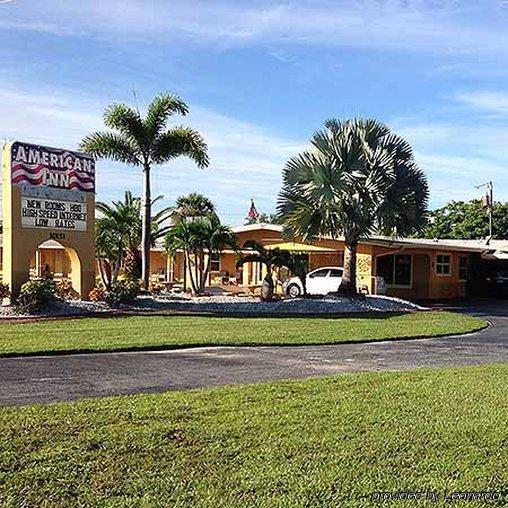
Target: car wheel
x=294 y=291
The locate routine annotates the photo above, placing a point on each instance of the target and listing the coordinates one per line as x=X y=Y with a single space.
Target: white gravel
x=227 y=304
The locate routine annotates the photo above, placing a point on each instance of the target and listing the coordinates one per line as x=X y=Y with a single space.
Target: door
x=421 y=278
x=334 y=280
x=317 y=281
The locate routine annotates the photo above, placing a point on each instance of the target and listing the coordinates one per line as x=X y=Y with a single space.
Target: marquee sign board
x=48 y=193
x=49 y=213
x=53 y=183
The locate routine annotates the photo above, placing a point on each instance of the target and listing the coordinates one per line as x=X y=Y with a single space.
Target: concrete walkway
x=47 y=379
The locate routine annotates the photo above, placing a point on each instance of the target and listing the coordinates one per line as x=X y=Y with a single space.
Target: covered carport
x=489 y=272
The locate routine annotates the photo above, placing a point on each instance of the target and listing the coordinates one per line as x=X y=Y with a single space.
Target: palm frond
x=127 y=121
x=107 y=145
x=358 y=175
x=180 y=141
x=160 y=109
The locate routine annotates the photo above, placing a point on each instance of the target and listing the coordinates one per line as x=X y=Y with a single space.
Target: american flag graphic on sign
x=52 y=167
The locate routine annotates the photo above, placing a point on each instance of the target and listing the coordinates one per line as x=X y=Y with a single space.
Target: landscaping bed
x=173 y=331
x=224 y=305
x=321 y=442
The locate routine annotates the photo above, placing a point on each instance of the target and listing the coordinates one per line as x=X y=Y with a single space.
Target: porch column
x=169 y=269
x=38 y=263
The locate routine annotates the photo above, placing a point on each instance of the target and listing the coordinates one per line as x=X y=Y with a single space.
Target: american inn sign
x=48 y=193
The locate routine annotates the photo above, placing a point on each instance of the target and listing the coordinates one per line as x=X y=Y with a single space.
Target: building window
x=443 y=264
x=215 y=262
x=463 y=267
x=395 y=269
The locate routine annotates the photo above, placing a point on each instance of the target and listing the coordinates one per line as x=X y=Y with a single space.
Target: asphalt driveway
x=55 y=378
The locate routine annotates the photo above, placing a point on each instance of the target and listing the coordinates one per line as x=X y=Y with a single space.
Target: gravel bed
x=226 y=304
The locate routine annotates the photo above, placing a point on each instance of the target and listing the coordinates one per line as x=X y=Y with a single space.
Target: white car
x=320 y=281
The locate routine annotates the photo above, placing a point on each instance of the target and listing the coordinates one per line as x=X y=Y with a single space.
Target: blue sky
x=260 y=77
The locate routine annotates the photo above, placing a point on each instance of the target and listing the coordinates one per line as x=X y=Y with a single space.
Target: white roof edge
x=254 y=227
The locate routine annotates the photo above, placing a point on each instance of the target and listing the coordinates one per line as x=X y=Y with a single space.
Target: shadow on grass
x=120 y=313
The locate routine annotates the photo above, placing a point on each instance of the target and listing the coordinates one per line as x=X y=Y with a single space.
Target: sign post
x=48 y=193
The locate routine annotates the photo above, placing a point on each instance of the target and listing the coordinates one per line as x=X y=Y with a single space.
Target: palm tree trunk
x=267 y=285
x=105 y=273
x=206 y=270
x=303 y=280
x=145 y=228
x=348 y=284
x=267 y=288
x=191 y=274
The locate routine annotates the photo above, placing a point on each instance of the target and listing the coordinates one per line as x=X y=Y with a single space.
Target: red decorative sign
x=52 y=167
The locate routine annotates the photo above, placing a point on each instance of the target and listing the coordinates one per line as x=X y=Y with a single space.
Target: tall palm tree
x=358 y=179
x=268 y=257
x=143 y=142
x=199 y=240
x=125 y=221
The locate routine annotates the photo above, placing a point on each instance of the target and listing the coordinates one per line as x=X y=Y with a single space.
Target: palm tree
x=109 y=249
x=199 y=240
x=189 y=207
x=359 y=178
x=270 y=258
x=125 y=221
x=143 y=142
x=298 y=264
x=192 y=205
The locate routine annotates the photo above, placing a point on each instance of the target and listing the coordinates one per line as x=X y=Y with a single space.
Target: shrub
x=4 y=291
x=123 y=291
x=65 y=290
x=156 y=288
x=98 y=294
x=35 y=294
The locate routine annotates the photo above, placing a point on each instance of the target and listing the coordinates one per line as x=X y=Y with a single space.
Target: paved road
x=47 y=379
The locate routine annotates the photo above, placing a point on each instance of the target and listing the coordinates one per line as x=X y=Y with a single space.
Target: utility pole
x=488 y=203
x=490 y=209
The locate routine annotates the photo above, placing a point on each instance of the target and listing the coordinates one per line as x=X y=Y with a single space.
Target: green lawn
x=109 y=334
x=315 y=443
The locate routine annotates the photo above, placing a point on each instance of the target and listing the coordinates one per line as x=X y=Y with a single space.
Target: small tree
x=199 y=239
x=298 y=264
x=270 y=258
x=124 y=223
x=109 y=249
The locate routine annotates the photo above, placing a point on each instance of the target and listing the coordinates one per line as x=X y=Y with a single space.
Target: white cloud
x=492 y=102
x=477 y=26
x=246 y=161
x=458 y=157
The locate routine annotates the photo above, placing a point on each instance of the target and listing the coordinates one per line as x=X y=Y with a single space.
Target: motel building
x=412 y=268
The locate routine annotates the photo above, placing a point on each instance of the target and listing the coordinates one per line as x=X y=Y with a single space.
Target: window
x=319 y=273
x=215 y=262
x=443 y=264
x=463 y=267
x=395 y=269
x=335 y=273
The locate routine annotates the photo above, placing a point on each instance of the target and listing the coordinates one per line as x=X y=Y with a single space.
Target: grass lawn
x=134 y=332
x=314 y=443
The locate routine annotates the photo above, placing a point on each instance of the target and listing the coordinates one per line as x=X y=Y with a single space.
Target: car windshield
x=335 y=273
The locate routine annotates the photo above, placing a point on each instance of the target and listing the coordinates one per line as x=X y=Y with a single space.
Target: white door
x=334 y=280
x=317 y=281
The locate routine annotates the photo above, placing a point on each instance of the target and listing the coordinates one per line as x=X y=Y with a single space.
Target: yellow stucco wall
x=19 y=243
